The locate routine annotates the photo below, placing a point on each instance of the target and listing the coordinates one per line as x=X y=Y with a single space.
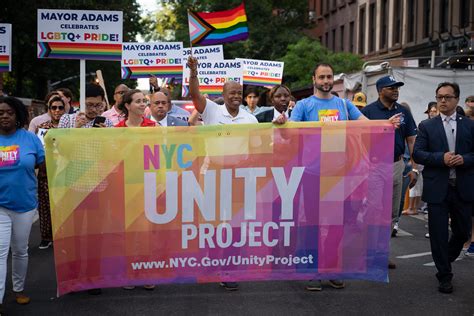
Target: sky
x=147 y=6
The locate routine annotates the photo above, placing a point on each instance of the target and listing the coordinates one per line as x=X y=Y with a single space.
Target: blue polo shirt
x=326 y=110
x=377 y=111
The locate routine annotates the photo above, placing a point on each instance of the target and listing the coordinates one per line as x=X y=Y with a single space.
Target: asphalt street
x=412 y=290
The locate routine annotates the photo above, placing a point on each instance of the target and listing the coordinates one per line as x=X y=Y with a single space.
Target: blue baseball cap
x=388 y=81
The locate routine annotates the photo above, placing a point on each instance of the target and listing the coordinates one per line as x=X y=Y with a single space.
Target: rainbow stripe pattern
x=210 y=28
x=211 y=91
x=174 y=71
x=261 y=81
x=80 y=51
x=4 y=63
x=108 y=207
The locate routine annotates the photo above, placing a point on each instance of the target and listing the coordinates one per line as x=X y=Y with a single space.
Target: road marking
x=403 y=233
x=415 y=255
x=432 y=264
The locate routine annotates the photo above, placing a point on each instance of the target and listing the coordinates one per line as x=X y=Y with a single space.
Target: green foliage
x=30 y=75
x=302 y=56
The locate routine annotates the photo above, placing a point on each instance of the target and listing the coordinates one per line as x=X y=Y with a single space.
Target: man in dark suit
x=160 y=104
x=445 y=146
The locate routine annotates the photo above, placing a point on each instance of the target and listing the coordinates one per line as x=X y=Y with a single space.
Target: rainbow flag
x=210 y=28
x=4 y=63
x=80 y=51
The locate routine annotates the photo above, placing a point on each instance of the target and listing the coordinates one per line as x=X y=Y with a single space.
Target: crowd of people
x=435 y=160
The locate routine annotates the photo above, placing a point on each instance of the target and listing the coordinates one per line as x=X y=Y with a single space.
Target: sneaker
x=45 y=244
x=149 y=287
x=337 y=284
x=128 y=287
x=395 y=230
x=94 y=291
x=314 y=285
x=391 y=264
x=230 y=286
x=21 y=298
x=427 y=235
x=469 y=254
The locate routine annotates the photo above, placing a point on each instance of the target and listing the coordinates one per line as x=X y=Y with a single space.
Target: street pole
x=82 y=85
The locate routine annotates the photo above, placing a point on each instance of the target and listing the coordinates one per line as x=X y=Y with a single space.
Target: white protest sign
x=212 y=74
x=262 y=72
x=80 y=34
x=5 y=47
x=161 y=59
x=213 y=52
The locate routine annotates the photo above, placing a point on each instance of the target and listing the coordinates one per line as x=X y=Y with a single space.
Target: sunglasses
x=56 y=108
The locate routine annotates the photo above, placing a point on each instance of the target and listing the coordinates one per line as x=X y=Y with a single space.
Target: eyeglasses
x=56 y=107
x=120 y=92
x=447 y=98
x=94 y=106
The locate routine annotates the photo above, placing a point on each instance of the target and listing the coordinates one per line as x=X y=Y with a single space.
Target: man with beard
x=385 y=107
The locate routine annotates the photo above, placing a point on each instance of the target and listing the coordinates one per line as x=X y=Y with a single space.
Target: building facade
x=401 y=30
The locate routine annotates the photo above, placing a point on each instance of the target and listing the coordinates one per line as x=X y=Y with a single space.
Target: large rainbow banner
x=80 y=34
x=136 y=206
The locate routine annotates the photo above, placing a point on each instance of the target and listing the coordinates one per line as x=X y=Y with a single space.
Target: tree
x=30 y=75
x=302 y=56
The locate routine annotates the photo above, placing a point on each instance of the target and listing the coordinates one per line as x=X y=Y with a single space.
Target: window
x=372 y=23
x=333 y=40
x=341 y=39
x=351 y=37
x=361 y=30
x=443 y=16
x=411 y=6
x=326 y=40
x=384 y=22
x=426 y=18
x=465 y=8
x=397 y=22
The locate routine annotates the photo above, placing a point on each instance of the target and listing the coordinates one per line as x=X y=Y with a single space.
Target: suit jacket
x=430 y=146
x=174 y=121
x=265 y=117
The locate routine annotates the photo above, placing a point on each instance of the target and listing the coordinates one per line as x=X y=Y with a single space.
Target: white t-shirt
x=227 y=150
x=215 y=114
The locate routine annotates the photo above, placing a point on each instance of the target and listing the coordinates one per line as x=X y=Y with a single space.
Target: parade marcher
x=45 y=117
x=280 y=97
x=384 y=108
x=251 y=97
x=114 y=114
x=359 y=100
x=469 y=102
x=213 y=114
x=133 y=108
x=94 y=107
x=56 y=108
x=160 y=105
x=67 y=97
x=445 y=147
x=21 y=153
x=175 y=110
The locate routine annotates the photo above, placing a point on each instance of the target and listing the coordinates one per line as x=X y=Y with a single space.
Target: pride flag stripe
x=79 y=51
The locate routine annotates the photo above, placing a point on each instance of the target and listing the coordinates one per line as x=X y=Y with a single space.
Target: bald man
x=114 y=114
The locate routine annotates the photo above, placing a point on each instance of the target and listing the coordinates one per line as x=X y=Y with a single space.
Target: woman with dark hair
x=432 y=110
x=280 y=96
x=56 y=108
x=21 y=152
x=133 y=106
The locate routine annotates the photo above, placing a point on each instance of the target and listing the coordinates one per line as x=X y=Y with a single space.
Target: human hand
x=447 y=158
x=80 y=120
x=153 y=82
x=413 y=179
x=456 y=160
x=280 y=120
x=395 y=120
x=192 y=64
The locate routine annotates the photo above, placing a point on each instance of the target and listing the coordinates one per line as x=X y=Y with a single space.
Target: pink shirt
x=113 y=115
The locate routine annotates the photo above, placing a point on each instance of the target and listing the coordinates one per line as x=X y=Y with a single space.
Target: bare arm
x=198 y=99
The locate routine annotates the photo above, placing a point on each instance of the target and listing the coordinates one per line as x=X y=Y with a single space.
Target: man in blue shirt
x=385 y=107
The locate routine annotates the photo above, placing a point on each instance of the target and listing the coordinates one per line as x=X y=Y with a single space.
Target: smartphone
x=98 y=120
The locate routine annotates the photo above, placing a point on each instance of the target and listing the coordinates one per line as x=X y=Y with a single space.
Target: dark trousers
x=444 y=249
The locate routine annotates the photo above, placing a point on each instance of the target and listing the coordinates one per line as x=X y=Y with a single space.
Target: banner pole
x=82 y=85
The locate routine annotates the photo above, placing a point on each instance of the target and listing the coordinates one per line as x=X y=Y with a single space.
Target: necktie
x=449 y=130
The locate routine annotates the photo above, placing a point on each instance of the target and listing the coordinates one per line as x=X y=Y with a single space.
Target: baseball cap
x=359 y=99
x=388 y=81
